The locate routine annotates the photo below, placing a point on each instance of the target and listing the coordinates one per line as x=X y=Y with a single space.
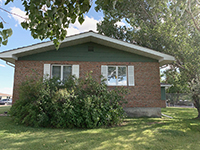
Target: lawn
x=181 y=132
x=4 y=108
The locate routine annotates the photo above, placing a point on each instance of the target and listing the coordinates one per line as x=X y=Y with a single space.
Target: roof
x=165 y=85
x=2 y=94
x=12 y=55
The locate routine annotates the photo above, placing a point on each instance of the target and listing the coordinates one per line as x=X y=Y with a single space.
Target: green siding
x=80 y=53
x=163 y=94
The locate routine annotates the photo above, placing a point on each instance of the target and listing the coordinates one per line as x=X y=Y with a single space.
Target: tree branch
x=147 y=13
x=13 y=13
x=2 y=19
x=198 y=2
x=192 y=16
x=179 y=65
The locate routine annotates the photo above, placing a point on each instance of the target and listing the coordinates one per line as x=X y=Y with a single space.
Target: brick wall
x=145 y=93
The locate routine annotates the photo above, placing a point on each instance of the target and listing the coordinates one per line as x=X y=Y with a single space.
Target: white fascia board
x=8 y=58
x=14 y=57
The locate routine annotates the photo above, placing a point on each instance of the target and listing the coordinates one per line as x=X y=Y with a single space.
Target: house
x=5 y=96
x=122 y=63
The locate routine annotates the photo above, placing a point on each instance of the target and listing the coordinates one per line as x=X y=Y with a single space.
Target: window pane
x=67 y=71
x=122 y=78
x=56 y=72
x=112 y=77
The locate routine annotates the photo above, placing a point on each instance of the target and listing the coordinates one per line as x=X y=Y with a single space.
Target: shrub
x=82 y=103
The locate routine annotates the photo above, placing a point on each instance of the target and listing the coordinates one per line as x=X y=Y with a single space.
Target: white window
x=118 y=75
x=61 y=71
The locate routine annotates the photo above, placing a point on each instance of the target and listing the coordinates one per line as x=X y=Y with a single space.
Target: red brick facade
x=145 y=93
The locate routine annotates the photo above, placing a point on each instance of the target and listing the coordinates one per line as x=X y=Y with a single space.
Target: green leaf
x=48 y=3
x=24 y=25
x=3 y=33
x=73 y=19
x=1 y=25
x=9 y=31
x=56 y=43
x=81 y=19
x=35 y=36
x=54 y=9
x=8 y=1
x=59 y=21
x=5 y=42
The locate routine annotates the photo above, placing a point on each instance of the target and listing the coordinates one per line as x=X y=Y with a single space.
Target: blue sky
x=22 y=37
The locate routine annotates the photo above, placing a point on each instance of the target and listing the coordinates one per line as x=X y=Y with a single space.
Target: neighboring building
x=122 y=63
x=164 y=86
x=5 y=96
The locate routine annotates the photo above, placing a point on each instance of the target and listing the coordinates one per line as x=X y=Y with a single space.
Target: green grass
x=4 y=108
x=179 y=133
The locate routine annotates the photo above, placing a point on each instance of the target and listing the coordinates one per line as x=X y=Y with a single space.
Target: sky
x=22 y=37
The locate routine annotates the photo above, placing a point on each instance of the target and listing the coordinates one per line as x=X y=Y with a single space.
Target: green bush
x=82 y=103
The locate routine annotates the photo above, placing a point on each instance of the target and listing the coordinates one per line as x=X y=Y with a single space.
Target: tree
x=165 y=26
x=174 y=78
x=49 y=18
x=178 y=87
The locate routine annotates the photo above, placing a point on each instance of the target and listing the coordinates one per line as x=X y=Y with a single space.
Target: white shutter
x=75 y=70
x=131 y=81
x=104 y=72
x=47 y=71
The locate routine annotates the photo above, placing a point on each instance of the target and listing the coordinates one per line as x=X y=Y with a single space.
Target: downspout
x=10 y=64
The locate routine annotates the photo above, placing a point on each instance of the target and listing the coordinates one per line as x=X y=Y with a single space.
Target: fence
x=180 y=99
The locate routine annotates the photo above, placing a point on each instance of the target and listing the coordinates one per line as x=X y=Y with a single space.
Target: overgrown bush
x=82 y=103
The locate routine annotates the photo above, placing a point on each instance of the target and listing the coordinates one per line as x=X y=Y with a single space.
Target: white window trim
x=47 y=71
x=131 y=75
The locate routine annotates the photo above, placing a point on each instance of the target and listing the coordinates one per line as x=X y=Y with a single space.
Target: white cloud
x=1 y=2
x=120 y=23
x=165 y=68
x=88 y=24
x=6 y=90
x=19 y=12
x=72 y=31
x=2 y=65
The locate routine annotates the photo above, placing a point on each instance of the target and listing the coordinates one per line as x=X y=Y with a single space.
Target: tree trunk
x=195 y=98
x=177 y=98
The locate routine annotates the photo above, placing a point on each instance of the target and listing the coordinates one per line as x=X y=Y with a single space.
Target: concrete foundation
x=143 y=112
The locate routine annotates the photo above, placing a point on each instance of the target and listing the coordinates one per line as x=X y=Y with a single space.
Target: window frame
x=61 y=77
x=130 y=74
x=117 y=66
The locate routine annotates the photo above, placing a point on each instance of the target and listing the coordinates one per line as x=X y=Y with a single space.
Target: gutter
x=10 y=64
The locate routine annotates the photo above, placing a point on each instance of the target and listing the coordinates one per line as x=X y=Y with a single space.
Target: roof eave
x=13 y=55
